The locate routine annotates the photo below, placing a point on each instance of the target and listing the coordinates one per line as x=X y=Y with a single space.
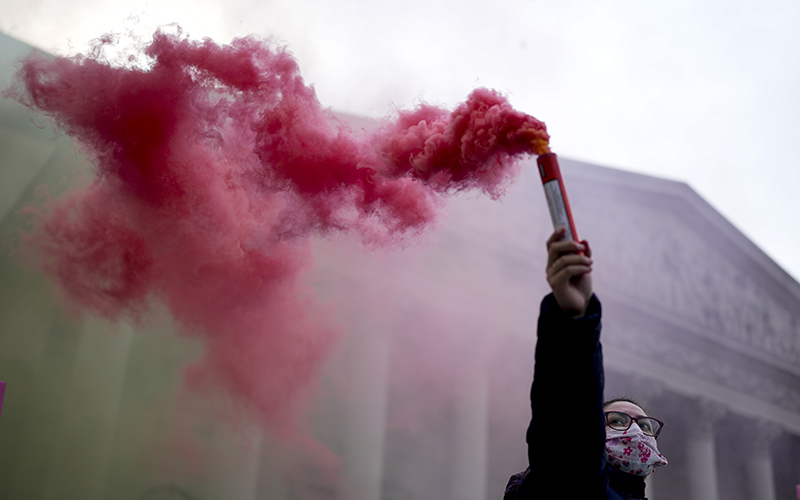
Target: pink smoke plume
x=215 y=164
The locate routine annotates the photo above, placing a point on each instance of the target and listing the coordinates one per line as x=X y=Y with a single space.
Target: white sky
x=701 y=91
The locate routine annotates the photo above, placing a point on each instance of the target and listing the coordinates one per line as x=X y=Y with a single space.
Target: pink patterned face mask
x=633 y=452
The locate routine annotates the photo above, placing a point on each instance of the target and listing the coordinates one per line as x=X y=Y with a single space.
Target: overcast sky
x=702 y=91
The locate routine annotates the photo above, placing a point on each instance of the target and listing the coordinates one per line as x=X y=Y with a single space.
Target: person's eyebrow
x=633 y=415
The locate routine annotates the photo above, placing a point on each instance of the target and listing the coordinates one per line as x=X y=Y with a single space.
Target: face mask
x=633 y=452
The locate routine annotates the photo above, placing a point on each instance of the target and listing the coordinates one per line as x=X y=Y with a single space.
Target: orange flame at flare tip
x=540 y=146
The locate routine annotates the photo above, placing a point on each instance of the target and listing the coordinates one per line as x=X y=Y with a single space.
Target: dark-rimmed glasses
x=622 y=422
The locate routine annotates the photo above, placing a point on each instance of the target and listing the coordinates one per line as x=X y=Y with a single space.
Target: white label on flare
x=558 y=210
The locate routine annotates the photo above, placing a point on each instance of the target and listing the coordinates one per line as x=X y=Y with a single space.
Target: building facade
x=699 y=325
x=426 y=396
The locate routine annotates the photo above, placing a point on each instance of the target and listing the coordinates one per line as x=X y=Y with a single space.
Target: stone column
x=365 y=414
x=237 y=465
x=471 y=435
x=85 y=438
x=701 y=457
x=272 y=483
x=758 y=467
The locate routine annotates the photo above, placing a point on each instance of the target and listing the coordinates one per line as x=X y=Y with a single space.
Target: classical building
x=427 y=395
x=699 y=325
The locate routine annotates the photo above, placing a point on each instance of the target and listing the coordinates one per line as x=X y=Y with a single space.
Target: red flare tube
x=556 y=195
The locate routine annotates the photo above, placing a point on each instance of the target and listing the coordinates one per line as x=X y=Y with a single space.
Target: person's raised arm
x=566 y=433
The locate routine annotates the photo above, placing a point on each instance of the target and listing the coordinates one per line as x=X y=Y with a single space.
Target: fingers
x=569 y=274
x=556 y=248
x=568 y=266
x=556 y=236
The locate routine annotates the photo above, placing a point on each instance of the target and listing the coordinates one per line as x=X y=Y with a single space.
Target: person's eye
x=646 y=426
x=617 y=420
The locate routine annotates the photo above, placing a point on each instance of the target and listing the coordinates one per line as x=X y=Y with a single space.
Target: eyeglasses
x=622 y=422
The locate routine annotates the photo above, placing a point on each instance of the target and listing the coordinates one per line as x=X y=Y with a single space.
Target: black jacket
x=566 y=437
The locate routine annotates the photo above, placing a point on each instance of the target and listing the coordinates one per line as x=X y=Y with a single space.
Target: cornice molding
x=670 y=267
x=685 y=382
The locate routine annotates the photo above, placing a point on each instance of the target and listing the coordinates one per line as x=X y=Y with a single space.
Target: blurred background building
x=427 y=395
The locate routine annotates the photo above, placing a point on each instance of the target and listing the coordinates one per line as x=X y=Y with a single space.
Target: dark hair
x=625 y=399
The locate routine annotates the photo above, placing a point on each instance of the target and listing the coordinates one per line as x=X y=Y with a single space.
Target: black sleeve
x=566 y=448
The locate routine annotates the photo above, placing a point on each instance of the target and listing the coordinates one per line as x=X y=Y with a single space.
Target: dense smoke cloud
x=215 y=164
